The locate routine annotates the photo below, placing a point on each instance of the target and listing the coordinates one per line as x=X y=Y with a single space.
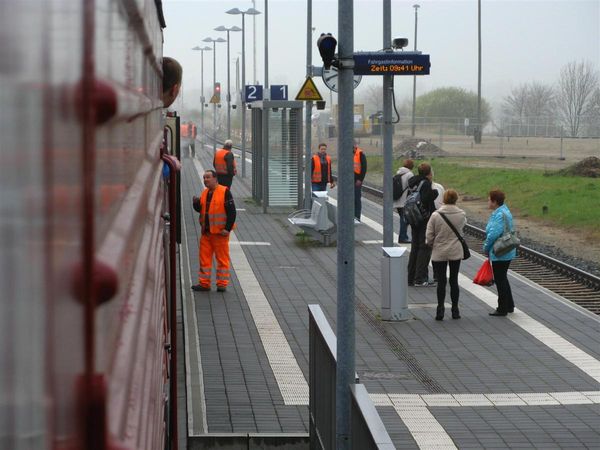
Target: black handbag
x=466 y=251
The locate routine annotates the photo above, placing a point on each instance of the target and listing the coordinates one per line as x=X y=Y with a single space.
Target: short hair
x=172 y=73
x=424 y=169
x=213 y=172
x=496 y=195
x=409 y=164
x=450 y=197
x=322 y=144
x=228 y=144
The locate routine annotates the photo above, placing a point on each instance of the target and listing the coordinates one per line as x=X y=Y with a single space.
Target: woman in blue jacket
x=493 y=230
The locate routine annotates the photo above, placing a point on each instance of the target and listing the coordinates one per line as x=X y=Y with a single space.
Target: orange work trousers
x=218 y=245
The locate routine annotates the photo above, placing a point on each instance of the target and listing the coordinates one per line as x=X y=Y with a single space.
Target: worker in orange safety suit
x=217 y=219
x=321 y=170
x=224 y=164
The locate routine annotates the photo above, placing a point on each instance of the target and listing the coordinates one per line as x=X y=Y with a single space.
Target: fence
x=368 y=431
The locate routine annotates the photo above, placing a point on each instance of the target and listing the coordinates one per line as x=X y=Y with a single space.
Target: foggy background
x=523 y=41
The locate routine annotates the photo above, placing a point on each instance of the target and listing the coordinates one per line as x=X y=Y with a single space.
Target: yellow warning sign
x=309 y=91
x=215 y=99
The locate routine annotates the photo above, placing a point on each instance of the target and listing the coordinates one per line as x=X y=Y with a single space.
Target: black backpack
x=414 y=211
x=397 y=185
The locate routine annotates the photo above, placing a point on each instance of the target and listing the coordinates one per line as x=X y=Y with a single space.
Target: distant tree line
x=573 y=102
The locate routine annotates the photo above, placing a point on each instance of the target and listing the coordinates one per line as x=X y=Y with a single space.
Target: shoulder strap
x=418 y=188
x=460 y=238
x=505 y=223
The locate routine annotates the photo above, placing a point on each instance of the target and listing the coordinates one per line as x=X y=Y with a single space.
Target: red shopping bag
x=485 y=274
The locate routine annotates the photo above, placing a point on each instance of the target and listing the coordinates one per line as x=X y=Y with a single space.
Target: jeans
x=357 y=201
x=418 y=261
x=403 y=234
x=316 y=187
x=225 y=180
x=439 y=268
x=505 y=298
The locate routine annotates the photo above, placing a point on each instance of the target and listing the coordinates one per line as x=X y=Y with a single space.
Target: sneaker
x=200 y=288
x=428 y=283
x=221 y=288
x=356 y=221
x=404 y=241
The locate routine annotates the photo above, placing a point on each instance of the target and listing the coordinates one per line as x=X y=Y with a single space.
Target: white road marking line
x=289 y=376
x=413 y=409
x=193 y=330
x=251 y=243
x=580 y=359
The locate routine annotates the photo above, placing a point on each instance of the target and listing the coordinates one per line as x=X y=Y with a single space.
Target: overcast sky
x=523 y=41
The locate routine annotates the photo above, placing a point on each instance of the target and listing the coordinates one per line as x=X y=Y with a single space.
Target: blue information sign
x=279 y=92
x=388 y=63
x=253 y=93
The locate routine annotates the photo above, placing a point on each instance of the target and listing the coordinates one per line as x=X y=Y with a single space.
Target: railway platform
x=528 y=380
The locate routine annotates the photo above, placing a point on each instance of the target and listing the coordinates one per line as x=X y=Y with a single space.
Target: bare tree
x=540 y=100
x=592 y=114
x=515 y=104
x=576 y=85
x=372 y=97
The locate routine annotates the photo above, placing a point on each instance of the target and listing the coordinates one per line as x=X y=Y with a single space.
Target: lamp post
x=206 y=48
x=252 y=12
x=414 y=103
x=214 y=41
x=234 y=28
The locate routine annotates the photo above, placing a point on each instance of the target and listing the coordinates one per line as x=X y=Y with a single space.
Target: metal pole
x=202 y=131
x=414 y=99
x=307 y=124
x=267 y=95
x=478 y=136
x=214 y=104
x=388 y=80
x=243 y=95
x=254 y=43
x=228 y=90
x=345 y=250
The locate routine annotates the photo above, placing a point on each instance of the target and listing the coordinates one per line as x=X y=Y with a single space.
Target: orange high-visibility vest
x=317 y=177
x=217 y=216
x=357 y=166
x=221 y=164
x=184 y=130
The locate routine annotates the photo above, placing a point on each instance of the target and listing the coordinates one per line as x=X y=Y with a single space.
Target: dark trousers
x=403 y=234
x=316 y=187
x=505 y=298
x=418 y=261
x=439 y=269
x=357 y=201
x=225 y=180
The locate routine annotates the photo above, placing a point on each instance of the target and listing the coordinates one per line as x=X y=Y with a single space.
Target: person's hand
x=224 y=232
x=332 y=184
x=358 y=183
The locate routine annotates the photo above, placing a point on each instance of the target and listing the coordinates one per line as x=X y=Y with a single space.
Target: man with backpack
x=400 y=181
x=417 y=209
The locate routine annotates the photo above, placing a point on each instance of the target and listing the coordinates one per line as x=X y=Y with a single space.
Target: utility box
x=394 y=280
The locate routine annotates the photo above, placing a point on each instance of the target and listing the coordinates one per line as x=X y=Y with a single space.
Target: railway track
x=563 y=279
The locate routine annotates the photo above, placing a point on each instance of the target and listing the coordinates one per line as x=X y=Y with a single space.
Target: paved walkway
x=531 y=380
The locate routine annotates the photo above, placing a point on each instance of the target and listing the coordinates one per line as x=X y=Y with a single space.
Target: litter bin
x=331 y=131
x=394 y=301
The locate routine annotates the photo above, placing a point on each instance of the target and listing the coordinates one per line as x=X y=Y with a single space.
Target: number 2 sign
x=253 y=93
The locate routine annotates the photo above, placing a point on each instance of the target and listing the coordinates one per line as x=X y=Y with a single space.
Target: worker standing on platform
x=224 y=163
x=320 y=170
x=360 y=170
x=217 y=219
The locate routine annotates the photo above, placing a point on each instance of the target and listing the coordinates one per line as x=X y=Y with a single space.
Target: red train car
x=84 y=240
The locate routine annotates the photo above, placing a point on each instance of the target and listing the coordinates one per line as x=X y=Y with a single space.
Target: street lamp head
x=234 y=28
x=252 y=11
x=205 y=48
x=207 y=40
x=233 y=11
x=416 y=6
x=220 y=40
x=221 y=28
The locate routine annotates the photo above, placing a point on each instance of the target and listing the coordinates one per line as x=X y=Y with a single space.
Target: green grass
x=571 y=201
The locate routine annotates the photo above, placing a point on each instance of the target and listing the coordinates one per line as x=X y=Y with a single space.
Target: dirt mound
x=417 y=148
x=588 y=167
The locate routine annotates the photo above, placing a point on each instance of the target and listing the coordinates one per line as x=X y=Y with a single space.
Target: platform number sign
x=253 y=93
x=279 y=92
